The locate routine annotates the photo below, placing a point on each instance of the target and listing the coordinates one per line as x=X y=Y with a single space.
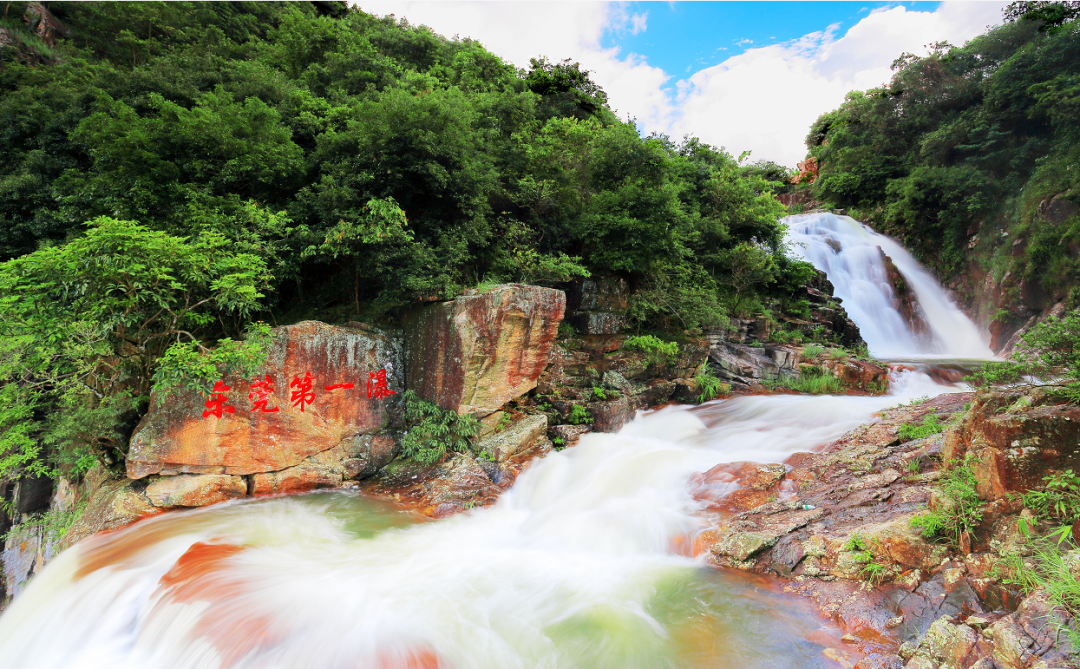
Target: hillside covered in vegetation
x=174 y=174
x=971 y=156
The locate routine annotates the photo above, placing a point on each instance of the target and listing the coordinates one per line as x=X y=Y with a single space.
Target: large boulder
x=275 y=425
x=478 y=352
x=517 y=438
x=195 y=489
x=1014 y=442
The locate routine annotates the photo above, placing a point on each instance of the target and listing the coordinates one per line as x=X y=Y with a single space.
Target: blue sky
x=746 y=76
x=683 y=37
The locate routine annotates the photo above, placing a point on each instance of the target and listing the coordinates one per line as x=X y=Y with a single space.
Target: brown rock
x=324 y=470
x=460 y=483
x=517 y=438
x=478 y=352
x=858 y=373
x=808 y=171
x=112 y=506
x=368 y=453
x=569 y=433
x=738 y=486
x=902 y=544
x=906 y=302
x=174 y=437
x=1014 y=443
x=194 y=489
x=611 y=416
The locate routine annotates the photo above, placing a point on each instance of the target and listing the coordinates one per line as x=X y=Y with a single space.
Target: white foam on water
x=848 y=252
x=565 y=570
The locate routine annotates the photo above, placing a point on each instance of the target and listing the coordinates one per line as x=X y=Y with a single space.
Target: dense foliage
x=959 y=151
x=1048 y=354
x=174 y=173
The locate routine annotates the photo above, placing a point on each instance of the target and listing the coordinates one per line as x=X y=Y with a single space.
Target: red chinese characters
x=377 y=385
x=215 y=406
x=260 y=393
x=340 y=386
x=303 y=394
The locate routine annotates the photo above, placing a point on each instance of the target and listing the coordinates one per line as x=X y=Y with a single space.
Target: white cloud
x=517 y=31
x=763 y=99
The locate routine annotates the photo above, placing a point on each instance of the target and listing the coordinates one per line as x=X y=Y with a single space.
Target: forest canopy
x=959 y=151
x=176 y=174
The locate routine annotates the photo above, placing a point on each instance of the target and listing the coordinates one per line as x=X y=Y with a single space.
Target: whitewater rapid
x=583 y=563
x=575 y=566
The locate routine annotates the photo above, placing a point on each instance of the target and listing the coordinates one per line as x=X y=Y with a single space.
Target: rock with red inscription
x=194 y=490
x=312 y=394
x=478 y=352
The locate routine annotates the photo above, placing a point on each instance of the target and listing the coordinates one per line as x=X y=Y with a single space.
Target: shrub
x=961 y=510
x=812 y=351
x=1049 y=351
x=709 y=386
x=1058 y=500
x=1052 y=571
x=813 y=384
x=579 y=415
x=787 y=337
x=657 y=351
x=928 y=426
x=433 y=431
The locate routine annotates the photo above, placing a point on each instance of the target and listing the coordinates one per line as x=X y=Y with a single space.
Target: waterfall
x=584 y=562
x=581 y=564
x=851 y=255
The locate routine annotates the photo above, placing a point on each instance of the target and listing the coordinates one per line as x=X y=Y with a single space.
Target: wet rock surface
x=463 y=480
x=195 y=489
x=820 y=519
x=175 y=437
x=1015 y=439
x=477 y=352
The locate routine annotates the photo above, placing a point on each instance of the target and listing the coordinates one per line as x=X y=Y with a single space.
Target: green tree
x=83 y=325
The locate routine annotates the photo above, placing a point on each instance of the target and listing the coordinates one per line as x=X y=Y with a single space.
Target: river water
x=580 y=565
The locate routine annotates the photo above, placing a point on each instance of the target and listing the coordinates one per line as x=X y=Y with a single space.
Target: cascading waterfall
x=850 y=254
x=581 y=564
x=575 y=566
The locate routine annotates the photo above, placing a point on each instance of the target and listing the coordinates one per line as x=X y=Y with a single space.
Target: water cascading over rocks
x=588 y=560
x=901 y=311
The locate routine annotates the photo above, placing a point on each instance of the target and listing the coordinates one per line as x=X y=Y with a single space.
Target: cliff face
x=1008 y=302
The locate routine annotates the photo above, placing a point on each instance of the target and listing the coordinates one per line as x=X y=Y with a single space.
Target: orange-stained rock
x=808 y=171
x=323 y=470
x=1014 y=443
x=195 y=489
x=738 y=486
x=112 y=506
x=478 y=352
x=174 y=437
x=858 y=373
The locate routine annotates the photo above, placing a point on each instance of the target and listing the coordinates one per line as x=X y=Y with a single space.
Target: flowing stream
x=582 y=564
